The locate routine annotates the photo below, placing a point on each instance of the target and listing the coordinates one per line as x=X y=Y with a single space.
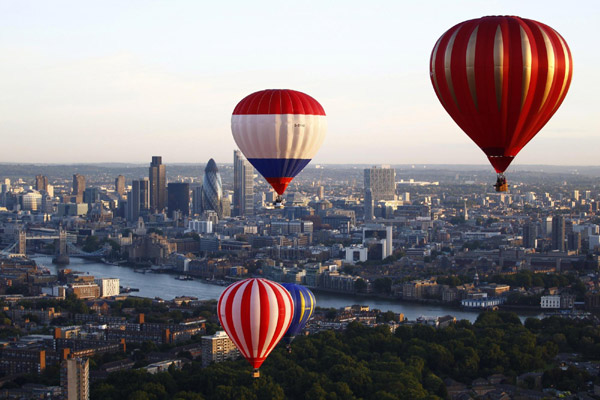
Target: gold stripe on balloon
x=470 y=64
x=498 y=65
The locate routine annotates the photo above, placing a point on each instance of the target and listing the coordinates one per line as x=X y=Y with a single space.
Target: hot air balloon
x=255 y=313
x=279 y=131
x=501 y=78
x=304 y=306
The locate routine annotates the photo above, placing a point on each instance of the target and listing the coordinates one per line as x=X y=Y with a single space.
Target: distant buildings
x=243 y=185
x=369 y=205
x=41 y=183
x=530 y=233
x=78 y=187
x=382 y=183
x=378 y=240
x=158 y=185
x=138 y=199
x=179 y=198
x=212 y=189
x=120 y=185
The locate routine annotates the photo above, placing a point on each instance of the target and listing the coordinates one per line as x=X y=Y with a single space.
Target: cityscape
x=401 y=246
x=299 y=201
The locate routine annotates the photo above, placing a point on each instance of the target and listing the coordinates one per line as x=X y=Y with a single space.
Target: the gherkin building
x=212 y=189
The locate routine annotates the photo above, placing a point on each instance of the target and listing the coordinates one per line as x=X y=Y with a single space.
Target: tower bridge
x=64 y=249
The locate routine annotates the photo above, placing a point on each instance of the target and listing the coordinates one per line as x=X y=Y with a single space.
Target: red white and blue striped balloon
x=255 y=313
x=279 y=131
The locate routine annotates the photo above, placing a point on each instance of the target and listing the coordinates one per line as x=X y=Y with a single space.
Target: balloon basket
x=501 y=185
x=256 y=373
x=278 y=203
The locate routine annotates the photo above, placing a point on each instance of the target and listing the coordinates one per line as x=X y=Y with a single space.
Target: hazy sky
x=92 y=81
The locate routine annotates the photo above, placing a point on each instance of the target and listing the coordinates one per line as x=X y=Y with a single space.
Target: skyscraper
x=158 y=185
x=382 y=182
x=120 y=185
x=530 y=233
x=369 y=211
x=243 y=185
x=75 y=378
x=41 y=183
x=197 y=200
x=178 y=198
x=78 y=187
x=574 y=241
x=212 y=189
x=138 y=199
x=558 y=233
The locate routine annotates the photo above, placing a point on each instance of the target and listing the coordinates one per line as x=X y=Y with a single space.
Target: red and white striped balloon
x=255 y=313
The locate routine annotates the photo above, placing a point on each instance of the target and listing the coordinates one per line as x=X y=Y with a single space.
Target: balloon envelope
x=279 y=132
x=501 y=78
x=304 y=306
x=255 y=313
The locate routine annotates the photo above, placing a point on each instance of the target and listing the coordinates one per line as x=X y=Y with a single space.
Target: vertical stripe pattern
x=304 y=306
x=501 y=78
x=255 y=313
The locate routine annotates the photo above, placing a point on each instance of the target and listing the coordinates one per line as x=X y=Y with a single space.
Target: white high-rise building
x=108 y=286
x=75 y=379
x=218 y=348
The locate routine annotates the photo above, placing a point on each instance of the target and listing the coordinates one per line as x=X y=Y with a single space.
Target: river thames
x=167 y=287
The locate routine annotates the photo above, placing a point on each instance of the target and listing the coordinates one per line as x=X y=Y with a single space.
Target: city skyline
x=112 y=79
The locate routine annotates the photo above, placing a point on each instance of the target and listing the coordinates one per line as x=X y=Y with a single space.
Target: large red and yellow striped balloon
x=501 y=78
x=255 y=313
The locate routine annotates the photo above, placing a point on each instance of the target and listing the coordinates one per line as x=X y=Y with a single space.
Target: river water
x=167 y=287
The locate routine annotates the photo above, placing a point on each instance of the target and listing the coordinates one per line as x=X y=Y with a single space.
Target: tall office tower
x=243 y=185
x=120 y=185
x=158 y=185
x=178 y=198
x=212 y=189
x=138 y=199
x=382 y=182
x=530 y=233
x=226 y=207
x=369 y=205
x=197 y=200
x=558 y=233
x=576 y=195
x=574 y=241
x=41 y=183
x=587 y=194
x=78 y=187
x=321 y=193
x=144 y=194
x=91 y=195
x=75 y=378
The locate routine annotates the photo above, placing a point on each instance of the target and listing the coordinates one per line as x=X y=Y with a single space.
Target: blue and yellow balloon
x=304 y=307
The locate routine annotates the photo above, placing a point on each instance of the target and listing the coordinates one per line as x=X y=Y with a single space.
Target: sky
x=120 y=81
